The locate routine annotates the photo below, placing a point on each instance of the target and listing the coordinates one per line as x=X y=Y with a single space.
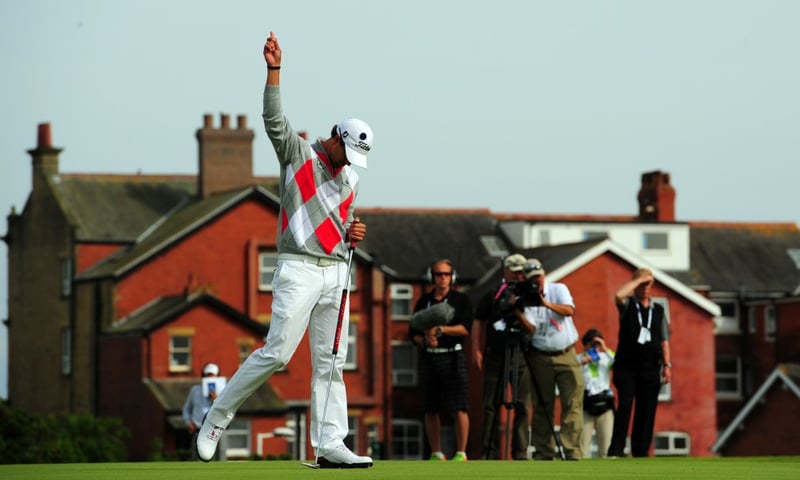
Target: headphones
x=429 y=272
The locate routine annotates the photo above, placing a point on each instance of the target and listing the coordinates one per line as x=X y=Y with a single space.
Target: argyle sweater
x=316 y=199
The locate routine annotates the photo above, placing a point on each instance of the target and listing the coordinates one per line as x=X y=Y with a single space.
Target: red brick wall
x=216 y=256
x=89 y=254
x=214 y=340
x=770 y=429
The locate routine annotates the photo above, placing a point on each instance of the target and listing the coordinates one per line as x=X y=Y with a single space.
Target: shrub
x=27 y=438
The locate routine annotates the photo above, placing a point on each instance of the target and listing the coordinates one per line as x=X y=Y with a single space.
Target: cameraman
x=502 y=333
x=554 y=363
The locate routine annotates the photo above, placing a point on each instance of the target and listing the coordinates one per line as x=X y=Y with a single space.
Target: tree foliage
x=28 y=438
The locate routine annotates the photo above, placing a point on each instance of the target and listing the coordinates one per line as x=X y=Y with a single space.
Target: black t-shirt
x=630 y=353
x=461 y=316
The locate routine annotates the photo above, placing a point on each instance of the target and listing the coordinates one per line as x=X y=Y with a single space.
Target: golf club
x=336 y=338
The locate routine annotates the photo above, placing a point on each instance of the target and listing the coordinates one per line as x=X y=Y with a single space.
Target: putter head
x=310 y=465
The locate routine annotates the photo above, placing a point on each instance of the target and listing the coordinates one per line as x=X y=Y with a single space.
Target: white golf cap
x=211 y=369
x=357 y=138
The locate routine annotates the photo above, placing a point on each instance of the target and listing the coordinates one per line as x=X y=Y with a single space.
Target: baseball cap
x=515 y=262
x=357 y=138
x=211 y=369
x=533 y=268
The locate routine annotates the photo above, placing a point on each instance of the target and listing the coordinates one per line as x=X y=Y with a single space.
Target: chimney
x=656 y=198
x=44 y=156
x=225 y=156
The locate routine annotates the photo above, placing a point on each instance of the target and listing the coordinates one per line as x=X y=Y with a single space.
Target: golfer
x=316 y=225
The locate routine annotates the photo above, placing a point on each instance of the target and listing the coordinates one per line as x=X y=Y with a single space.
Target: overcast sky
x=515 y=106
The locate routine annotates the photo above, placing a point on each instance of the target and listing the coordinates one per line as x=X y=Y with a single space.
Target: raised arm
x=627 y=289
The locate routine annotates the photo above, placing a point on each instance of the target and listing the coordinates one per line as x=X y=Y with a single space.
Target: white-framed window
x=494 y=246
x=237 y=439
x=671 y=444
x=351 y=440
x=401 y=295
x=66 y=277
x=404 y=364
x=728 y=321
x=351 y=360
x=770 y=323
x=407 y=439
x=544 y=237
x=752 y=320
x=245 y=347
x=594 y=234
x=655 y=241
x=180 y=353
x=66 y=351
x=267 y=262
x=728 y=373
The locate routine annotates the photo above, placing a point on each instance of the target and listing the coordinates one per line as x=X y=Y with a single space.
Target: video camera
x=517 y=296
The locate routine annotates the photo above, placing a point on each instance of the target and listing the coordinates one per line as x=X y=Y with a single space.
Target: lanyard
x=649 y=315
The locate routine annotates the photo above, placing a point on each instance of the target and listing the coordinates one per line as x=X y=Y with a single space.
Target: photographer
x=554 y=363
x=598 y=398
x=502 y=362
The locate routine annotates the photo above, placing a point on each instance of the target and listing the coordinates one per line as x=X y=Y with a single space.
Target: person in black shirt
x=641 y=365
x=503 y=341
x=444 y=366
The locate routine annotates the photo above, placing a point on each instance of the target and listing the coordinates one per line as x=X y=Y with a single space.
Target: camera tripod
x=512 y=346
x=515 y=345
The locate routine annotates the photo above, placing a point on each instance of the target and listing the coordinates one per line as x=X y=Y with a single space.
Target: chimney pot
x=226 y=121
x=241 y=122
x=208 y=121
x=43 y=136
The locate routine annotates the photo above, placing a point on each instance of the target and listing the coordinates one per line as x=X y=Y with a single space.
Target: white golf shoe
x=207 y=440
x=340 y=456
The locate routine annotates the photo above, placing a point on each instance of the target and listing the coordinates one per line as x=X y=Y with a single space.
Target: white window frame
x=408 y=373
x=267 y=263
x=594 y=234
x=351 y=359
x=727 y=324
x=351 y=440
x=401 y=292
x=752 y=319
x=544 y=237
x=238 y=428
x=494 y=246
x=770 y=323
x=176 y=365
x=678 y=444
x=408 y=442
x=66 y=277
x=736 y=393
x=651 y=241
x=66 y=351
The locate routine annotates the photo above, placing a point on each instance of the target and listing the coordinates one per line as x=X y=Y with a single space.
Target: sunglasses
x=442 y=274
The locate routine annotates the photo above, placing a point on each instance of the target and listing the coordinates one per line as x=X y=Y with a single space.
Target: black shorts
x=445 y=380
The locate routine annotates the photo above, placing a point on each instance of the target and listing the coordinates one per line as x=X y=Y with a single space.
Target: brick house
x=135 y=281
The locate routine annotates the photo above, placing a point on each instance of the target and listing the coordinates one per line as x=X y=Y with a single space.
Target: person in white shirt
x=598 y=398
x=553 y=363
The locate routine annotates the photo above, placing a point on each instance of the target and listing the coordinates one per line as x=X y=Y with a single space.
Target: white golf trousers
x=305 y=296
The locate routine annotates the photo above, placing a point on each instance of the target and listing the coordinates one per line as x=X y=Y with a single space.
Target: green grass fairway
x=773 y=468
